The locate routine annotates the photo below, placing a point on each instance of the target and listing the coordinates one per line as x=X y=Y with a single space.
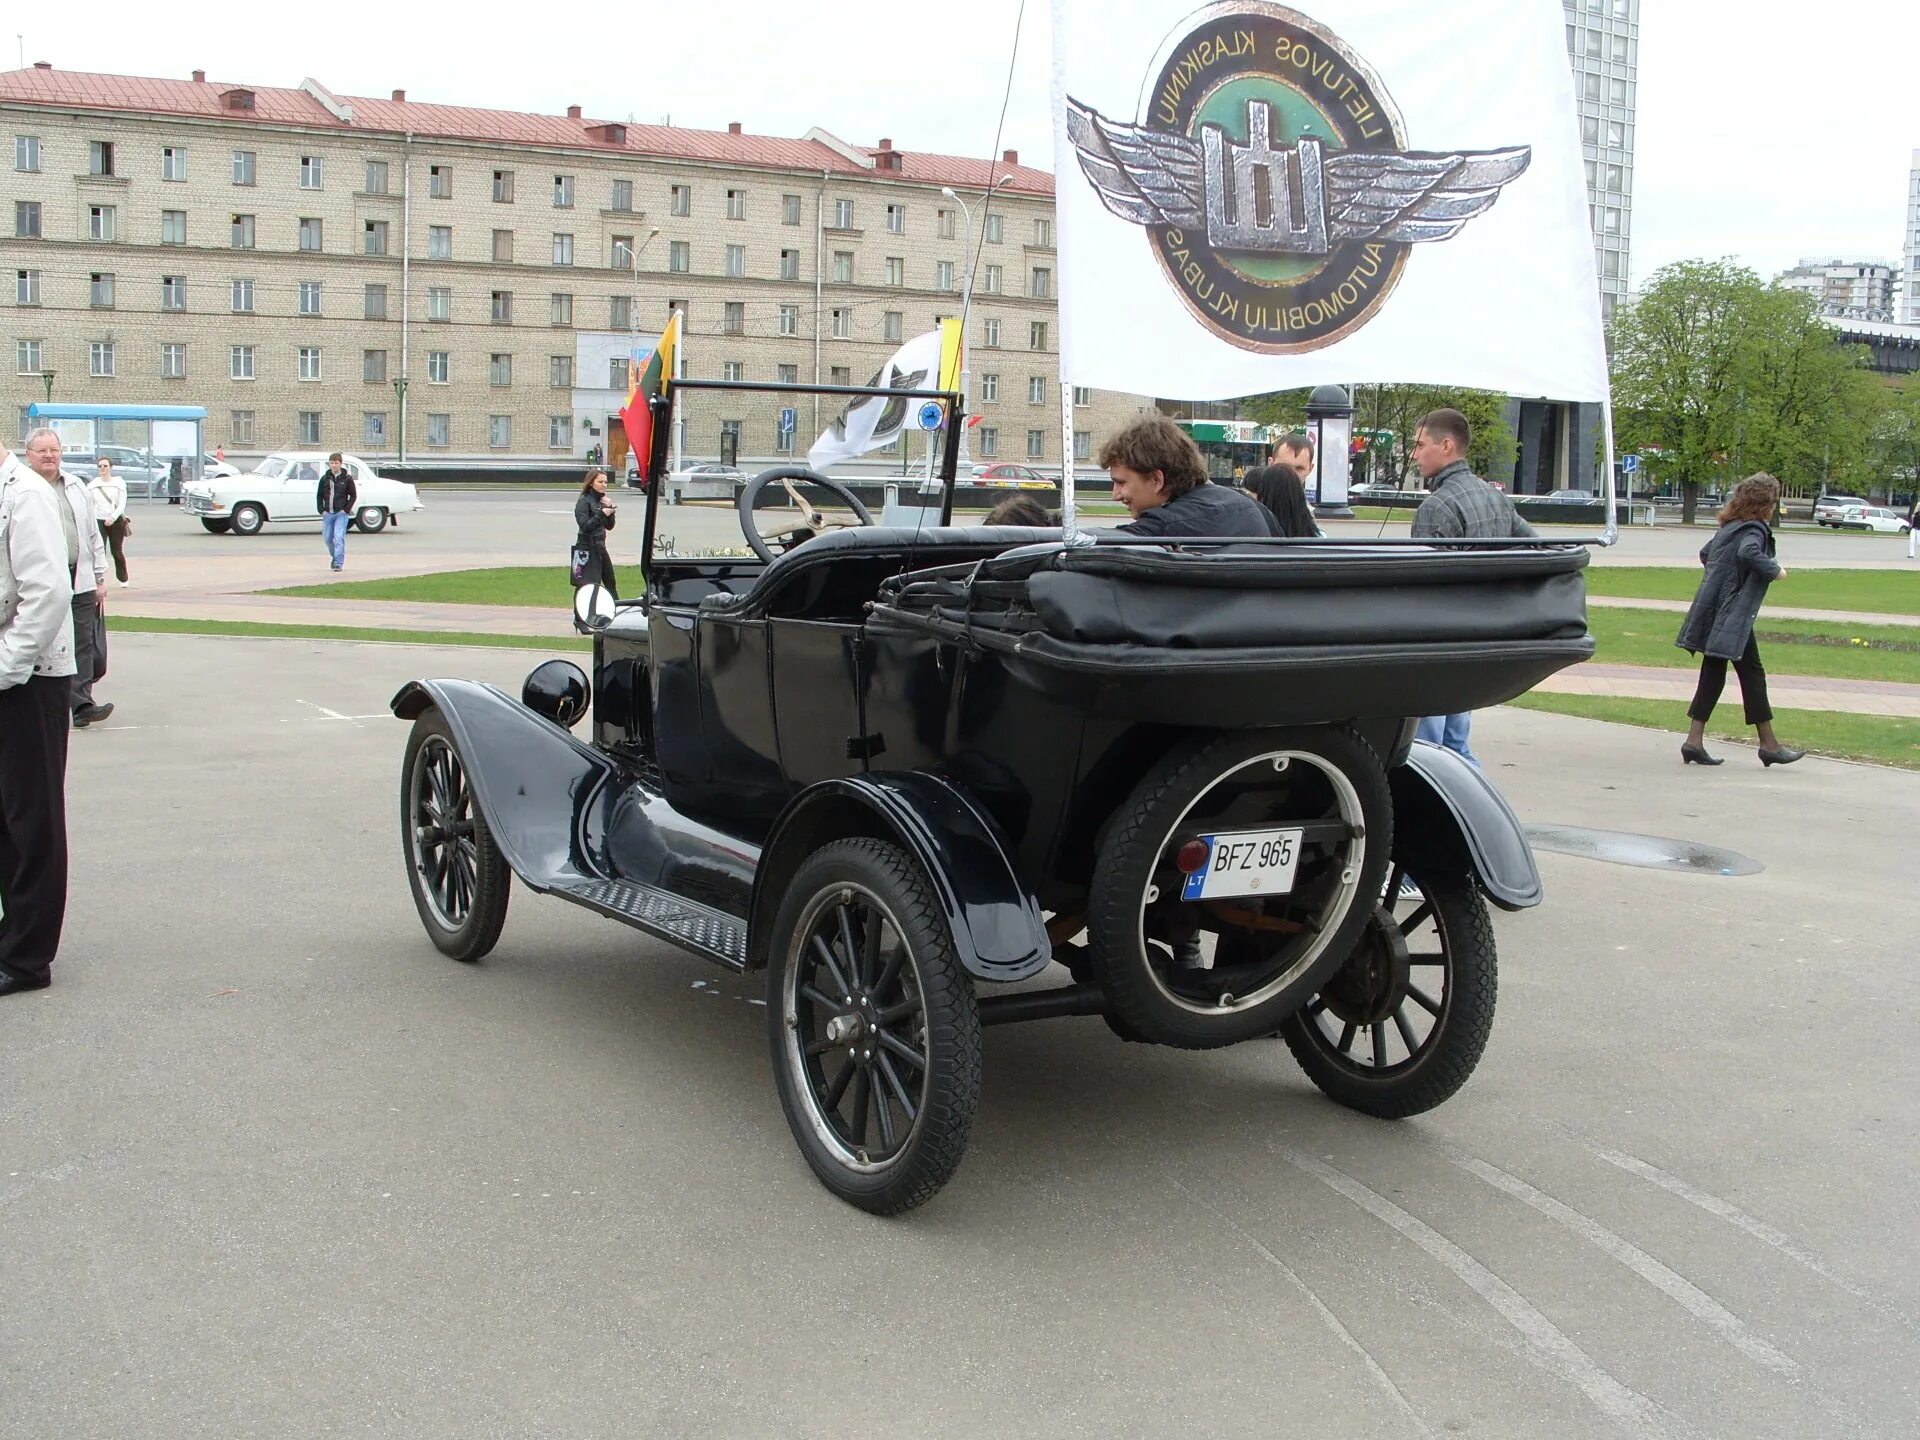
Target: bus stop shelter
x=155 y=448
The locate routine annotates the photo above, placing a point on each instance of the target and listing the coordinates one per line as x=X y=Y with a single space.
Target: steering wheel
x=812 y=521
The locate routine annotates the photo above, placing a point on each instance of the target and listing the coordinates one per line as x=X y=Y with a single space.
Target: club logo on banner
x=1273 y=175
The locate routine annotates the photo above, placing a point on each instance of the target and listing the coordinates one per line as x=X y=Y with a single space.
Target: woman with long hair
x=1280 y=488
x=1740 y=565
x=109 y=493
x=593 y=513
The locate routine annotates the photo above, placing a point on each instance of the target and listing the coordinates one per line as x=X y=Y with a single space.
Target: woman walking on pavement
x=593 y=513
x=109 y=493
x=1719 y=626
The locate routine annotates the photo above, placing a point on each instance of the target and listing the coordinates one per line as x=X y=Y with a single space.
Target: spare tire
x=1232 y=963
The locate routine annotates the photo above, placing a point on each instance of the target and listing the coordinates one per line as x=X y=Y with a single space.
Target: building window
x=840 y=375
x=1036 y=444
x=560 y=310
x=1609 y=220
x=620 y=312
x=309 y=233
x=100 y=290
x=736 y=205
x=1043 y=233
x=789 y=209
x=376 y=181
x=243 y=167
x=100 y=359
x=26 y=154
x=27 y=352
x=26 y=219
x=679 y=257
x=896 y=270
x=789 y=264
x=501 y=302
x=897 y=219
x=173 y=292
x=503 y=247
x=563 y=192
x=439 y=302
x=989 y=389
x=563 y=249
x=439 y=427
x=374 y=237
x=617 y=376
x=440 y=182
x=789 y=319
x=1083 y=445
x=893 y=325
x=500 y=370
x=843 y=214
x=1617 y=91
x=733 y=317
x=733 y=370
x=1613 y=177
x=1617 y=47
x=173 y=227
x=100 y=222
x=240 y=426
x=622 y=196
x=1590 y=129
x=439 y=367
x=373 y=429
x=1036 y=334
x=26 y=287
x=1082 y=397
x=560 y=432
x=240 y=362
x=991 y=283
x=100 y=157
x=499 y=431
x=996 y=229
x=843 y=267
x=173 y=162
x=373 y=367
x=1616 y=135
x=1041 y=286
x=376 y=307
x=842 y=324
x=242 y=297
x=622 y=256
x=309 y=172
x=309 y=297
x=560 y=372
x=309 y=427
x=1037 y=390
x=736 y=261
x=943 y=223
x=991 y=340
x=989 y=440
x=502 y=190
x=787 y=374
x=943 y=275
x=309 y=362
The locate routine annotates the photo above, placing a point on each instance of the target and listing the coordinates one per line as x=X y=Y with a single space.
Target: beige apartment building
x=464 y=286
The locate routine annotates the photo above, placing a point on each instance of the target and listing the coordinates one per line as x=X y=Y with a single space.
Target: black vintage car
x=908 y=772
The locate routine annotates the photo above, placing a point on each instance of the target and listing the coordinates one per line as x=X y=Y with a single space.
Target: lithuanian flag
x=648 y=375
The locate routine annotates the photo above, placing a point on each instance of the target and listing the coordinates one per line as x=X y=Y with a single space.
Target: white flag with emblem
x=871 y=421
x=1253 y=198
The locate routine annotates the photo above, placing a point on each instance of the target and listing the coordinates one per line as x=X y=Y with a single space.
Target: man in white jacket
x=37 y=562
x=89 y=581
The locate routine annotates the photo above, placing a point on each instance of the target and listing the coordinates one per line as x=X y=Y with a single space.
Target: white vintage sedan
x=281 y=489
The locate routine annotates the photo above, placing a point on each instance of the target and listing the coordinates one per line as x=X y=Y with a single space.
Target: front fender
x=996 y=924
x=542 y=792
x=1446 y=812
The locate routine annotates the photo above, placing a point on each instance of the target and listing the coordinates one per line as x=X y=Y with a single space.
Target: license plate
x=1246 y=862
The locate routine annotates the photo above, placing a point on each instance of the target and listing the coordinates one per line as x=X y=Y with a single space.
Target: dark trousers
x=33 y=822
x=86 y=649
x=115 y=534
x=599 y=570
x=1753 y=686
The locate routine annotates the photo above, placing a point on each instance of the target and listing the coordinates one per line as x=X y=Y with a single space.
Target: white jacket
x=109 y=498
x=92 y=571
x=36 y=596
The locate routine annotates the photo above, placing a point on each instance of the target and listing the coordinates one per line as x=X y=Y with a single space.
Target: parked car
x=1872 y=517
x=139 y=471
x=281 y=489
x=1571 y=497
x=1013 y=477
x=1826 y=510
x=212 y=468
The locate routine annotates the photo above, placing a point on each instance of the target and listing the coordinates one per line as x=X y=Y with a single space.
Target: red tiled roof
x=278 y=106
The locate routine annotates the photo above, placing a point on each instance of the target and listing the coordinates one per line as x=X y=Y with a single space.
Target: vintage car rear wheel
x=1260 y=957
x=874 y=1027
x=459 y=879
x=370 y=519
x=1399 y=1028
x=217 y=527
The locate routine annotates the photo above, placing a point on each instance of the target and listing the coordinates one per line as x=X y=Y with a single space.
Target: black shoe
x=88 y=714
x=1781 y=757
x=12 y=984
x=1697 y=755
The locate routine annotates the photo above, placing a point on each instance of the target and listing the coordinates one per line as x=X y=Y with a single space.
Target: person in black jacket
x=1159 y=476
x=593 y=513
x=1282 y=486
x=336 y=497
x=1719 y=625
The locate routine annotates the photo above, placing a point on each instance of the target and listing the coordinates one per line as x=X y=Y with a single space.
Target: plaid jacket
x=1462 y=506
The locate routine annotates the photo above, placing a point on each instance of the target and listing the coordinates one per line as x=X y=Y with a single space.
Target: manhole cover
x=1652 y=852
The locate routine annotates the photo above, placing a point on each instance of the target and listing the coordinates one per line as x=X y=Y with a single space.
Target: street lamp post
x=46 y=378
x=966 y=297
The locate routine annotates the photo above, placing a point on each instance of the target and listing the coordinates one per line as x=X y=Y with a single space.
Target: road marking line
x=1626 y=1406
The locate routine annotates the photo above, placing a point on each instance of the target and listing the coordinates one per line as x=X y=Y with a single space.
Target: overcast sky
x=1766 y=132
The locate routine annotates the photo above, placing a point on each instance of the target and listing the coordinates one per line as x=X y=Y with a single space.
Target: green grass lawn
x=1880 y=739
x=1883 y=592
x=1787 y=647
x=546 y=586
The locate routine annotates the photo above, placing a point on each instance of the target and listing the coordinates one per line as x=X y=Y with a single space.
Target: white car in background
x=1871 y=517
x=281 y=489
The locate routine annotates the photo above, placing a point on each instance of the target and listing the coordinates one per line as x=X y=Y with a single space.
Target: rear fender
x=1447 y=814
x=543 y=793
x=996 y=924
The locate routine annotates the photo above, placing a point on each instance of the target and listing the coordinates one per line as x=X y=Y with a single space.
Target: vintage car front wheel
x=458 y=876
x=1399 y=1028
x=874 y=1027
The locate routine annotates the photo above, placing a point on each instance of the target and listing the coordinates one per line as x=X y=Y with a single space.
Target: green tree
x=1896 y=442
x=1812 y=404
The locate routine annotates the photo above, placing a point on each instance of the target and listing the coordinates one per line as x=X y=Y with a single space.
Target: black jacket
x=593 y=522
x=1740 y=567
x=1207 y=510
x=345 y=497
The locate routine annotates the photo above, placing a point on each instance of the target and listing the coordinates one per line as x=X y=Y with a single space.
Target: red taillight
x=1192 y=857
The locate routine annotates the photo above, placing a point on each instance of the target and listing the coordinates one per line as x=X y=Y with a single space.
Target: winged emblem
x=1298 y=200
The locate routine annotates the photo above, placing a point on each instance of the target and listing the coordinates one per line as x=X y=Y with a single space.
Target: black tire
x=369 y=519
x=1255 y=977
x=1419 y=1046
x=216 y=527
x=458 y=876
x=891 y=1005
x=248 y=519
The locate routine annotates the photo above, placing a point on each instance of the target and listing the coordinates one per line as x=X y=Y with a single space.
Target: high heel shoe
x=1781 y=757
x=1697 y=755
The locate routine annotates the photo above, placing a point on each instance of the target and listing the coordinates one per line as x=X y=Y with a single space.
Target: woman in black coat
x=1280 y=488
x=1719 y=626
x=593 y=513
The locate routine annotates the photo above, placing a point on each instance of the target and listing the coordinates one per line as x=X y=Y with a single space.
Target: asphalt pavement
x=271 y=1165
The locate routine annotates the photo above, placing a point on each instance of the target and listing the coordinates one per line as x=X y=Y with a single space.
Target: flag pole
x=1612 y=536
x=1070 y=531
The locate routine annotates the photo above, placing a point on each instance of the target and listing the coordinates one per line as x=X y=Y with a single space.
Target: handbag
x=581 y=565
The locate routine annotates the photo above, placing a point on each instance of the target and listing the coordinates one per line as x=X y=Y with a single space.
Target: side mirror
x=557 y=689
x=593 y=607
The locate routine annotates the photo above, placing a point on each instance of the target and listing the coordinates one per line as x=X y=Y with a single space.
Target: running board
x=709 y=933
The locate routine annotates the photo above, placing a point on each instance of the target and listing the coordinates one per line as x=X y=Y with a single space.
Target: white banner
x=1253 y=198
x=873 y=420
